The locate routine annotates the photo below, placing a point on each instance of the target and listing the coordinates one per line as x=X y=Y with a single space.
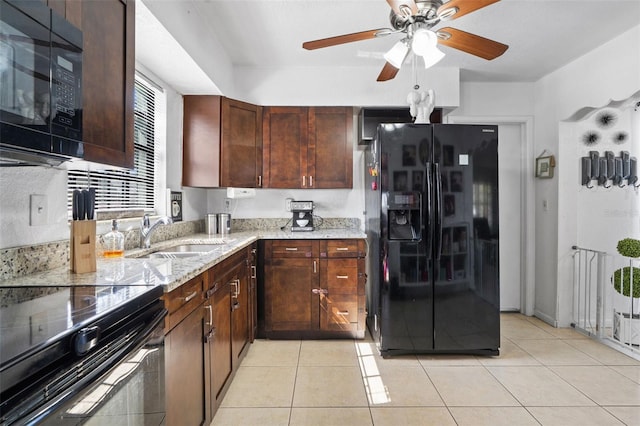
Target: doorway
x=516 y=200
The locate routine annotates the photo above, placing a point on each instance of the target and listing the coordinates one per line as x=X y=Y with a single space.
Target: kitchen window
x=128 y=190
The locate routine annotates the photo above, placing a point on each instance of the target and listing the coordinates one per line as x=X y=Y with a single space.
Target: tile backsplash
x=24 y=260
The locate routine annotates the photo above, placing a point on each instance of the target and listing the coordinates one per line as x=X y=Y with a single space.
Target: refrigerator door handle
x=438 y=215
x=428 y=214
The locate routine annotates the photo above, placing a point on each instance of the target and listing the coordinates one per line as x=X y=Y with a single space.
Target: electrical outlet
x=287 y=204
x=38 y=210
x=227 y=205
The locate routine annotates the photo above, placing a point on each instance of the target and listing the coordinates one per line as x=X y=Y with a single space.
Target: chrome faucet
x=146 y=229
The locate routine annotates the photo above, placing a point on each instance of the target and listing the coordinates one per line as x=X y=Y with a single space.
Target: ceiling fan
x=415 y=18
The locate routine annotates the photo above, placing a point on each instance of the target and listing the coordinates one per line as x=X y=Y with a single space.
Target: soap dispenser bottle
x=113 y=242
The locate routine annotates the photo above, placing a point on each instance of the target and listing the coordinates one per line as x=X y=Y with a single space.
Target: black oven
x=40 y=83
x=82 y=355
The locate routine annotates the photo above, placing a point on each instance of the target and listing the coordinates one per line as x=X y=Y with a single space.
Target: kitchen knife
x=89 y=197
x=74 y=204
x=81 y=210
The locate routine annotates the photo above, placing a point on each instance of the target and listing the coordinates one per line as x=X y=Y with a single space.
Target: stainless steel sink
x=200 y=248
x=182 y=250
x=172 y=254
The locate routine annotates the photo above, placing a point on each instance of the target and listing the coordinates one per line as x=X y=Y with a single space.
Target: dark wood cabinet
x=331 y=147
x=222 y=143
x=184 y=354
x=228 y=318
x=218 y=344
x=308 y=147
x=241 y=147
x=314 y=288
x=108 y=73
x=285 y=147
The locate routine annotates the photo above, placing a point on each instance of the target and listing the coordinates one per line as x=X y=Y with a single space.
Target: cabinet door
x=240 y=320
x=290 y=303
x=330 y=147
x=184 y=371
x=220 y=341
x=241 y=149
x=285 y=147
x=201 y=141
x=108 y=59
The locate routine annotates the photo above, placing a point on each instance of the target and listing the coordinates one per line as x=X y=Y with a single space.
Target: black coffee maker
x=302 y=212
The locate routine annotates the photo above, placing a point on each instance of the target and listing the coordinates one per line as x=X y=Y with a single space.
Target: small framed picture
x=400 y=181
x=447 y=155
x=456 y=182
x=418 y=178
x=409 y=155
x=544 y=167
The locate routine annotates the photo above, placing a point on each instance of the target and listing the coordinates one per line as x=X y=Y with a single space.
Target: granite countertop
x=170 y=273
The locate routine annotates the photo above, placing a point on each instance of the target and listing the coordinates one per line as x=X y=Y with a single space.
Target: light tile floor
x=543 y=376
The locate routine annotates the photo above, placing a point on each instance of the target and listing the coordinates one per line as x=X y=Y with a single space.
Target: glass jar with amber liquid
x=113 y=242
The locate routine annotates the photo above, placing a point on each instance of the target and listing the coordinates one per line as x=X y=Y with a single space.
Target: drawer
x=183 y=300
x=292 y=248
x=340 y=276
x=342 y=248
x=339 y=313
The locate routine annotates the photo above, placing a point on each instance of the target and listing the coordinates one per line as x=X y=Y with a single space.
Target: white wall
x=350 y=86
x=610 y=72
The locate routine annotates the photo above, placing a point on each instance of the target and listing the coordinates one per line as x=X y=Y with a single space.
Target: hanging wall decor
x=545 y=165
x=609 y=170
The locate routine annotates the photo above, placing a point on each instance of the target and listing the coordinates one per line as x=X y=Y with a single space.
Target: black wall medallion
x=606 y=119
x=620 y=137
x=591 y=138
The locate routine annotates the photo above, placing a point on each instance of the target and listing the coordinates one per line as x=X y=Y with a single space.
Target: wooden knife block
x=82 y=246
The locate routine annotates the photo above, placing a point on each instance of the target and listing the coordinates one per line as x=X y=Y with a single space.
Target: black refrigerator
x=432 y=226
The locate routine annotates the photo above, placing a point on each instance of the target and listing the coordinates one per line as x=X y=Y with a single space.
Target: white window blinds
x=125 y=190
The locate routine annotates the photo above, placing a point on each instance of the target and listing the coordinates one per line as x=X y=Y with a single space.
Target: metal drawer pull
x=320 y=291
x=260 y=181
x=236 y=291
x=304 y=181
x=310 y=180
x=342 y=277
x=314 y=267
x=342 y=248
x=210 y=309
x=191 y=296
x=342 y=313
x=253 y=272
x=291 y=248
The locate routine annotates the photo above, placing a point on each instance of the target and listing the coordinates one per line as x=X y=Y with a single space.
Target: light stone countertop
x=170 y=273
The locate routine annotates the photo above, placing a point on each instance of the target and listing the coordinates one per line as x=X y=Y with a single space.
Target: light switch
x=38 y=210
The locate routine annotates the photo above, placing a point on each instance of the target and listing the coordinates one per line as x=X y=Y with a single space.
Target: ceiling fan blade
x=463 y=7
x=345 y=38
x=388 y=72
x=399 y=5
x=471 y=43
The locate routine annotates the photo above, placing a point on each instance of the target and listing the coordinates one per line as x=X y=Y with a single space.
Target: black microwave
x=40 y=85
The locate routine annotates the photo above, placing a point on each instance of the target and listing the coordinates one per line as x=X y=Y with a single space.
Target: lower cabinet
x=184 y=354
x=207 y=334
x=228 y=317
x=313 y=288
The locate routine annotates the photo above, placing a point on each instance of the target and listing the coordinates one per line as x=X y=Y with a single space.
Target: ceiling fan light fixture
x=433 y=57
x=423 y=41
x=397 y=54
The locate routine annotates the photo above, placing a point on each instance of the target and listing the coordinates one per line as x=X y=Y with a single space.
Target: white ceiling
x=543 y=35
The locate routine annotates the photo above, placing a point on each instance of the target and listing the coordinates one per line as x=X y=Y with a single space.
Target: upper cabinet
x=108 y=73
x=222 y=143
x=308 y=147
